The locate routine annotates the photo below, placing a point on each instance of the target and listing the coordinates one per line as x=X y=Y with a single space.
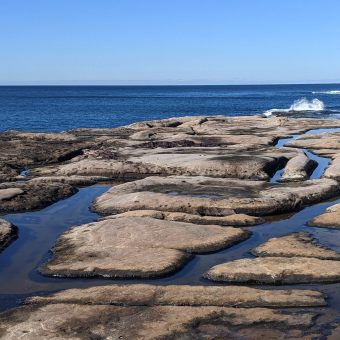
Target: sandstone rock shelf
x=193 y=180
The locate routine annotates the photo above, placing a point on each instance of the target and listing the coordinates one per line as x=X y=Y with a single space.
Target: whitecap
x=327 y=92
x=300 y=105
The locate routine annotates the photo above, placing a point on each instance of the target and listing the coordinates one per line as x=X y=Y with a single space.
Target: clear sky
x=169 y=41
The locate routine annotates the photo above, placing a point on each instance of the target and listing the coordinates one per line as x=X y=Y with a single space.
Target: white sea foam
x=327 y=92
x=301 y=105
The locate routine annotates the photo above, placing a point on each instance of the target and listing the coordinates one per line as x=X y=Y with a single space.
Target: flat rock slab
x=329 y=219
x=78 y=321
x=276 y=270
x=182 y=295
x=32 y=195
x=135 y=247
x=191 y=162
x=229 y=220
x=7 y=233
x=297 y=244
x=213 y=196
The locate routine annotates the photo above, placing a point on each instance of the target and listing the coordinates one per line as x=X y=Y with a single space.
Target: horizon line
x=178 y=84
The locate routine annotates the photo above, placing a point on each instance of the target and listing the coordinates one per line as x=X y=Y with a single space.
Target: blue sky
x=169 y=41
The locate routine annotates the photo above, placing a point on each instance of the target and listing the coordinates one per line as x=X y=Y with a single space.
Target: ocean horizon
x=64 y=107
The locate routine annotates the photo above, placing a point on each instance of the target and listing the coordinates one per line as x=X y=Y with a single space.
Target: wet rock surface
x=135 y=247
x=329 y=219
x=30 y=195
x=7 y=234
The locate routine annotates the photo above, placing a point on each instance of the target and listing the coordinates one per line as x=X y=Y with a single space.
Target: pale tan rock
x=72 y=180
x=135 y=247
x=333 y=171
x=318 y=142
x=229 y=220
x=298 y=168
x=213 y=196
x=182 y=295
x=276 y=270
x=72 y=321
x=297 y=244
x=329 y=219
x=7 y=233
x=7 y=194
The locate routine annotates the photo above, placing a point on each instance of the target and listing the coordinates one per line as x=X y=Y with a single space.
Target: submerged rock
x=134 y=247
x=7 y=234
x=329 y=219
x=297 y=244
x=276 y=270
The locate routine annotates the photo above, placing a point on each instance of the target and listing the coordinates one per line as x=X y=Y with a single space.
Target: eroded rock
x=298 y=168
x=329 y=219
x=135 y=247
x=276 y=270
x=74 y=321
x=229 y=220
x=298 y=244
x=213 y=196
x=182 y=295
x=31 y=195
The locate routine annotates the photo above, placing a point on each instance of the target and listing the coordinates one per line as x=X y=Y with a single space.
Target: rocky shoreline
x=190 y=185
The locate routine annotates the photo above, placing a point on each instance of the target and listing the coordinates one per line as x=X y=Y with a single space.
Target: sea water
x=59 y=108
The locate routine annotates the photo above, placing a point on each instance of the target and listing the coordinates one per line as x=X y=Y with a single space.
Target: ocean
x=59 y=108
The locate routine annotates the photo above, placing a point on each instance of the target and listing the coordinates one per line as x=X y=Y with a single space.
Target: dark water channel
x=39 y=230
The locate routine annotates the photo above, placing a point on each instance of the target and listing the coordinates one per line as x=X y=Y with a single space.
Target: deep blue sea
x=58 y=108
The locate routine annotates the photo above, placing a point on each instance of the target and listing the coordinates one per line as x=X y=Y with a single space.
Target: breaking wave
x=300 y=105
x=327 y=92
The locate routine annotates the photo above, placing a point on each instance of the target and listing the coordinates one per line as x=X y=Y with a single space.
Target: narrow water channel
x=39 y=230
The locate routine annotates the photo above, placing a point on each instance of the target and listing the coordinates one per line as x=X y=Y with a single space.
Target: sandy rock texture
x=326 y=144
x=165 y=312
x=329 y=219
x=276 y=270
x=183 y=295
x=238 y=147
x=135 y=247
x=228 y=220
x=79 y=321
x=213 y=196
x=7 y=234
x=298 y=244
